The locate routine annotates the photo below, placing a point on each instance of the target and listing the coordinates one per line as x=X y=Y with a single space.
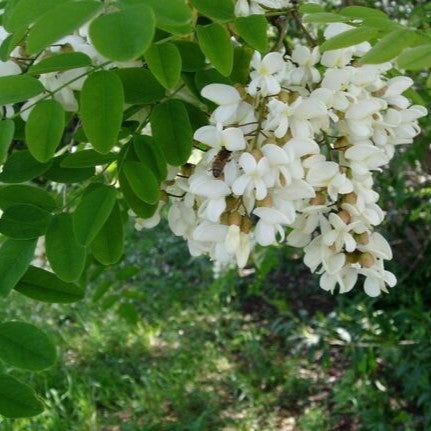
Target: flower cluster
x=296 y=148
x=251 y=7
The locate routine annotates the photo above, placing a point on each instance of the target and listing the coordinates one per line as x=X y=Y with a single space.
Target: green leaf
x=25 y=346
x=164 y=60
x=138 y=206
x=253 y=29
x=59 y=22
x=45 y=286
x=92 y=212
x=108 y=246
x=362 y=12
x=415 y=58
x=241 y=69
x=210 y=76
x=65 y=255
x=310 y=8
x=24 y=194
x=215 y=43
x=349 y=38
x=123 y=35
x=324 y=17
x=172 y=131
x=18 y=400
x=60 y=62
x=389 y=47
x=24 y=221
x=151 y=155
x=44 y=129
x=25 y=12
x=191 y=56
x=128 y=312
x=221 y=10
x=87 y=159
x=7 y=130
x=142 y=181
x=18 y=88
x=63 y=175
x=10 y=43
x=171 y=15
x=102 y=100
x=21 y=166
x=15 y=257
x=140 y=86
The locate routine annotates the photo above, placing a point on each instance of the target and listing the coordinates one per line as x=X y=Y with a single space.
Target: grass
x=253 y=353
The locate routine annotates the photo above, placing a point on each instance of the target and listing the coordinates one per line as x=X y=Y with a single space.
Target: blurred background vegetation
x=159 y=344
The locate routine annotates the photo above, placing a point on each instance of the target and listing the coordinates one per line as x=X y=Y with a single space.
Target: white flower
x=150 y=222
x=263 y=76
x=365 y=157
x=305 y=72
x=254 y=178
x=228 y=99
x=181 y=219
x=346 y=278
x=340 y=236
x=238 y=244
x=231 y=138
x=270 y=223
x=377 y=278
x=317 y=253
x=279 y=114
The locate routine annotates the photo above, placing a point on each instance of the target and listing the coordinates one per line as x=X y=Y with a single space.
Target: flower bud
x=293 y=96
x=231 y=203
x=362 y=238
x=341 y=144
x=164 y=197
x=267 y=202
x=257 y=154
x=345 y=216
x=241 y=90
x=224 y=218
x=350 y=198
x=271 y=141
x=187 y=170
x=170 y=183
x=319 y=199
x=352 y=257
x=366 y=260
x=235 y=218
x=246 y=224
x=284 y=96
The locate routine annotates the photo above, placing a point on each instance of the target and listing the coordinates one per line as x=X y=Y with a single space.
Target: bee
x=220 y=161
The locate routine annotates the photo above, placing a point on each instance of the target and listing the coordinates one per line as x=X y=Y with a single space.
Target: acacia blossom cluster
x=295 y=150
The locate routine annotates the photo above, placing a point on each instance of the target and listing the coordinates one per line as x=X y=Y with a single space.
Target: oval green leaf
x=349 y=38
x=102 y=101
x=24 y=221
x=60 y=62
x=18 y=400
x=215 y=43
x=25 y=346
x=24 y=194
x=123 y=35
x=164 y=60
x=92 y=212
x=7 y=130
x=192 y=58
x=151 y=155
x=253 y=29
x=108 y=246
x=142 y=181
x=389 y=47
x=220 y=10
x=172 y=131
x=140 y=86
x=15 y=258
x=59 y=174
x=44 y=129
x=22 y=166
x=45 y=286
x=59 y=22
x=87 y=159
x=324 y=17
x=415 y=58
x=65 y=255
x=18 y=88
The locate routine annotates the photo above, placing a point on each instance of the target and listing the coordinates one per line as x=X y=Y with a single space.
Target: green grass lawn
x=264 y=352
